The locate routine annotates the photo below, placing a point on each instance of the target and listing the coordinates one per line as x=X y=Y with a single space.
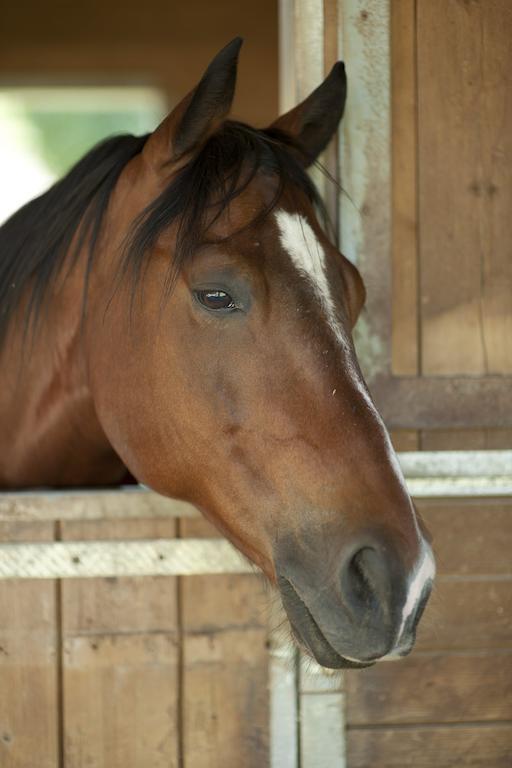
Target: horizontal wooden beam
x=132 y=501
x=439 y=402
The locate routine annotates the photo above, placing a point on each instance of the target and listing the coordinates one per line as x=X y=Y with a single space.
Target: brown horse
x=173 y=307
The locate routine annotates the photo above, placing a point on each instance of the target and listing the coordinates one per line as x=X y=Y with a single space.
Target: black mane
x=35 y=241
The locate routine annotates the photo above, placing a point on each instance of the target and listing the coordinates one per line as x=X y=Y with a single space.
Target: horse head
x=223 y=370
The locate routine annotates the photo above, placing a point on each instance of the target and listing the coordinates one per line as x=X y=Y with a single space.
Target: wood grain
x=467 y=615
x=488 y=746
x=120 y=661
x=432 y=688
x=465 y=198
x=404 y=196
x=466 y=439
x=225 y=716
x=120 y=701
x=471 y=537
x=29 y=687
x=405 y=439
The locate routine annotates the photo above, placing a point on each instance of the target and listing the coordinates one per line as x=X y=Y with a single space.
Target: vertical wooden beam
x=330 y=159
x=365 y=208
x=120 y=660
x=308 y=46
x=405 y=352
x=29 y=685
x=225 y=703
x=404 y=304
x=287 y=86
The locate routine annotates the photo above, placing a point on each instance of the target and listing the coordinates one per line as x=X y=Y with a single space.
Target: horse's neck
x=49 y=431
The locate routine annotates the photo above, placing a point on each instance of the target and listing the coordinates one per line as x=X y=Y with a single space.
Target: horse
x=173 y=308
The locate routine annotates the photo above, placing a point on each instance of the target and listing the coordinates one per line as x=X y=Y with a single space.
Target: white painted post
x=322 y=717
x=284 y=736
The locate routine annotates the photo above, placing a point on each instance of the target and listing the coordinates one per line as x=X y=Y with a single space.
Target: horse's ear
x=200 y=113
x=314 y=122
x=355 y=290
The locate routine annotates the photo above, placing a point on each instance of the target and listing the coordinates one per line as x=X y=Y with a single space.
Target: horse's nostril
x=359 y=574
x=366 y=578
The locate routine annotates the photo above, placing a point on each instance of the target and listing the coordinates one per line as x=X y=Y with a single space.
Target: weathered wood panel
x=486 y=746
x=432 y=688
x=467 y=615
x=120 y=661
x=466 y=439
x=465 y=196
x=471 y=537
x=225 y=716
x=120 y=701
x=429 y=709
x=29 y=649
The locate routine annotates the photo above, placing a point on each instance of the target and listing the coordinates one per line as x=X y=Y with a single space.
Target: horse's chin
x=311 y=639
x=328 y=657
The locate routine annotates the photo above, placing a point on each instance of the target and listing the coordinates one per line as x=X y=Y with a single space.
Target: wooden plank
x=120 y=664
x=485 y=746
x=453 y=440
x=432 y=688
x=29 y=680
x=85 y=504
x=120 y=700
x=225 y=715
x=441 y=402
x=466 y=439
x=105 y=606
x=405 y=440
x=365 y=216
x=465 y=151
x=330 y=156
x=404 y=193
x=498 y=438
x=467 y=615
x=472 y=537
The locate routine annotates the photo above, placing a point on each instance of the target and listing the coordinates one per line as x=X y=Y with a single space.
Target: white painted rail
x=457 y=473
x=155 y=557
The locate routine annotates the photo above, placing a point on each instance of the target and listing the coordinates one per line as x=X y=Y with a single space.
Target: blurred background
x=74 y=73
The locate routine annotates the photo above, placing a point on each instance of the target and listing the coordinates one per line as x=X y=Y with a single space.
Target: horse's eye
x=215 y=299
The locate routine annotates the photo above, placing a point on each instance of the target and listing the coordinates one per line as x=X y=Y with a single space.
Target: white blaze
x=425 y=573
x=302 y=245
x=300 y=242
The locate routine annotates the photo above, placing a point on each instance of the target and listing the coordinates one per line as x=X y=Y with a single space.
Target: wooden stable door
x=451 y=297
x=440 y=359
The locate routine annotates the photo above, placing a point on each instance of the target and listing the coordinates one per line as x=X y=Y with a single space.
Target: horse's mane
x=36 y=240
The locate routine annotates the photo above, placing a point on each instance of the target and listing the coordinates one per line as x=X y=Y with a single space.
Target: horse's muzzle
x=365 y=608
